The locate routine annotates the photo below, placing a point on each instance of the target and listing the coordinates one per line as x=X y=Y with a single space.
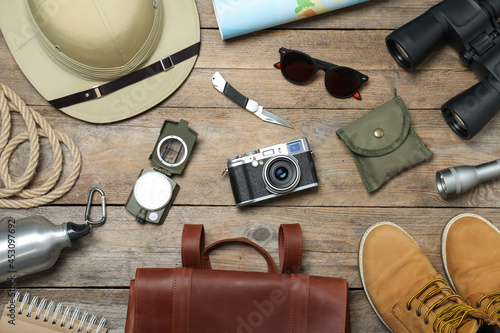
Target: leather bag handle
x=290 y=248
x=192 y=245
x=271 y=266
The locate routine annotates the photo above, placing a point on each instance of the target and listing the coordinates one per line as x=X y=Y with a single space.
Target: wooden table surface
x=95 y=273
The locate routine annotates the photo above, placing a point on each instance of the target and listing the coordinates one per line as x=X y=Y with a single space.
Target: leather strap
x=96 y=92
x=299 y=299
x=271 y=266
x=290 y=248
x=193 y=243
x=181 y=300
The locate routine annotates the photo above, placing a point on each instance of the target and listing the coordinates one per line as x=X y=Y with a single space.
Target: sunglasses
x=341 y=82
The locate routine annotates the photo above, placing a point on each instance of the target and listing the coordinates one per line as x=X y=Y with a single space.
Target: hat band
x=100 y=91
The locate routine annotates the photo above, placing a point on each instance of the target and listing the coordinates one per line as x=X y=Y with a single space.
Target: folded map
x=239 y=17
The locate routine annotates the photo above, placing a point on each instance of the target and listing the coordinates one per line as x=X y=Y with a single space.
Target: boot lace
x=495 y=297
x=448 y=319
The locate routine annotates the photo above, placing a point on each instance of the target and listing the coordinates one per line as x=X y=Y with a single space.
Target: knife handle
x=235 y=96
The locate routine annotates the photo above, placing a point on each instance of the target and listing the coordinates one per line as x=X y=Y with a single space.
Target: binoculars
x=471 y=28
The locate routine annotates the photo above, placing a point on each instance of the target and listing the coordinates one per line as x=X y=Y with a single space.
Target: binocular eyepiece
x=471 y=28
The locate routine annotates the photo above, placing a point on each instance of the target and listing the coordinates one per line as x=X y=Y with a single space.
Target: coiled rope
x=14 y=194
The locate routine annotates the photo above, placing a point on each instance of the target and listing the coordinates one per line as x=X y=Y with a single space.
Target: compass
x=154 y=190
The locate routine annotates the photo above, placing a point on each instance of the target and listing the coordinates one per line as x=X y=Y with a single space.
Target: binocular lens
x=455 y=122
x=468 y=112
x=399 y=54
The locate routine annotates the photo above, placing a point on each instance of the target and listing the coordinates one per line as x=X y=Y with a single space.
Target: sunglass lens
x=297 y=67
x=343 y=81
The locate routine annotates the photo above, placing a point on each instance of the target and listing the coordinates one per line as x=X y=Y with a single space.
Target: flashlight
x=456 y=180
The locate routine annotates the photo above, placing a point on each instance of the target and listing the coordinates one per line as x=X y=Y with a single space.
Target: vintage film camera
x=154 y=191
x=272 y=171
x=471 y=28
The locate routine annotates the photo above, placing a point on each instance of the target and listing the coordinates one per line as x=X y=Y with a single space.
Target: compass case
x=154 y=191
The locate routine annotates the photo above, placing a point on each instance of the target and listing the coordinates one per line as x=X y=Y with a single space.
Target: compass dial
x=153 y=190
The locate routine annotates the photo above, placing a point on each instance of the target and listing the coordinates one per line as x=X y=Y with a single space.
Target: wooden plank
x=378 y=14
x=113 y=156
x=423 y=90
x=112 y=303
x=331 y=240
x=430 y=89
x=342 y=47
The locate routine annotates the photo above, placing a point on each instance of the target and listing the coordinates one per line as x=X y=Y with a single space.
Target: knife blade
x=248 y=104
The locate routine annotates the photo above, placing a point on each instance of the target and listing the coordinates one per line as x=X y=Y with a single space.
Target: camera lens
x=281 y=174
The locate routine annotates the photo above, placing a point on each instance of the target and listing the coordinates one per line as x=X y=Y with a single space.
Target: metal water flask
x=33 y=244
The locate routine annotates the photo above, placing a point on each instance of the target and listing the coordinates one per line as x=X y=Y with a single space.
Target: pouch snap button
x=378 y=132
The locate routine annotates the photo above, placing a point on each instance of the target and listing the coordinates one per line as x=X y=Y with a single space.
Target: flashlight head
x=446 y=183
x=456 y=180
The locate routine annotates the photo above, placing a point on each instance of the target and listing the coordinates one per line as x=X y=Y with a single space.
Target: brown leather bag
x=197 y=299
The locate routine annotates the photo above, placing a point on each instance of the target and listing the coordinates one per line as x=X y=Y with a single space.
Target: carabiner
x=89 y=205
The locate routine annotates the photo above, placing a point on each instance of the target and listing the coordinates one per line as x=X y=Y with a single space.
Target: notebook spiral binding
x=67 y=318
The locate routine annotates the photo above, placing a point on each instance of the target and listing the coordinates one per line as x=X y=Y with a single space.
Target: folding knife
x=248 y=104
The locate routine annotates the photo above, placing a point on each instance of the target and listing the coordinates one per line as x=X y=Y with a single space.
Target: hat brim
x=181 y=28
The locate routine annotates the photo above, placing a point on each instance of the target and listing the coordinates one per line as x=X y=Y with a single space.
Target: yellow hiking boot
x=471 y=252
x=405 y=290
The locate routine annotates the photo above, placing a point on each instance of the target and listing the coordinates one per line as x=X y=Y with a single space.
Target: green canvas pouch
x=383 y=143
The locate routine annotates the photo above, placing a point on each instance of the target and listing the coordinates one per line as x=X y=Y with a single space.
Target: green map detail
x=308 y=8
x=303 y=4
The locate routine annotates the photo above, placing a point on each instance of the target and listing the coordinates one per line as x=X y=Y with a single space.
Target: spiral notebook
x=43 y=316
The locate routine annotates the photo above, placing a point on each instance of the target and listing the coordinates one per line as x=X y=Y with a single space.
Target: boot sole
x=445 y=236
x=360 y=260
